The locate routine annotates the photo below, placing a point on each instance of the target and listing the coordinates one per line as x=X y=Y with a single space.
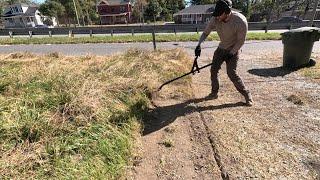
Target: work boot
x=212 y=96
x=249 y=102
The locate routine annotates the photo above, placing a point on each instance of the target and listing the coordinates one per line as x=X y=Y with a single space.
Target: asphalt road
x=113 y=48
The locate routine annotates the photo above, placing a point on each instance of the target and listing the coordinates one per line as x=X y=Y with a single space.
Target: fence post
x=175 y=31
x=11 y=34
x=154 y=40
x=70 y=34
x=91 y=33
x=266 y=29
x=132 y=32
x=197 y=30
x=30 y=34
x=50 y=33
x=111 y=32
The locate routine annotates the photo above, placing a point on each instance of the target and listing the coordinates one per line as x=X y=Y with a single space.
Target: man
x=232 y=29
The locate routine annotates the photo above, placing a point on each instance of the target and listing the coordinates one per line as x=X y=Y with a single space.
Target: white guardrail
x=132 y=29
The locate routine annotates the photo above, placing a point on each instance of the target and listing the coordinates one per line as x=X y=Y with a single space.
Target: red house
x=115 y=11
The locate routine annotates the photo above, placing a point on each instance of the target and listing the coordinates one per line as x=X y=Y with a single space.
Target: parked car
x=289 y=19
x=41 y=26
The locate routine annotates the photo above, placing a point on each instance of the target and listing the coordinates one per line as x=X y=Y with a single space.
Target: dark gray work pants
x=220 y=55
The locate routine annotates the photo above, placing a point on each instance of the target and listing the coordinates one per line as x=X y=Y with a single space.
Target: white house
x=21 y=16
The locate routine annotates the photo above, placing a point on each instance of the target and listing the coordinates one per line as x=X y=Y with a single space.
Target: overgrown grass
x=70 y=118
x=313 y=72
x=129 y=38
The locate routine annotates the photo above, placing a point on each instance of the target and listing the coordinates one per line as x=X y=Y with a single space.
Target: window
x=122 y=9
x=10 y=20
x=112 y=9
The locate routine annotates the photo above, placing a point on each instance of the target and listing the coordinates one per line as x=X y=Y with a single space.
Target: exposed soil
x=277 y=138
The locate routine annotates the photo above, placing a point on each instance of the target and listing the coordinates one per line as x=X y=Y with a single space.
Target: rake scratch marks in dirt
x=224 y=173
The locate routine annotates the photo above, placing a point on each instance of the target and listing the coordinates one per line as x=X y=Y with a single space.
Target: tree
x=10 y=2
x=52 y=8
x=168 y=8
x=138 y=10
x=2 y=6
x=200 y=2
x=87 y=8
x=153 y=10
x=271 y=9
x=307 y=6
x=70 y=15
x=173 y=6
x=245 y=6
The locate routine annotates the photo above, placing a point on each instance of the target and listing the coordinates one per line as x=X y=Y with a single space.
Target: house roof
x=30 y=12
x=115 y=2
x=8 y=14
x=199 y=9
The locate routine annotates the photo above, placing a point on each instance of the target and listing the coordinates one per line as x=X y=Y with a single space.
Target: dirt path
x=279 y=137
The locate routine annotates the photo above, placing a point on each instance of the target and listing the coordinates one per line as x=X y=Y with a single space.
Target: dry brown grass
x=277 y=138
x=63 y=116
x=313 y=72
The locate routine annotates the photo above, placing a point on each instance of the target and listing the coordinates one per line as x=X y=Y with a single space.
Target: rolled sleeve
x=210 y=26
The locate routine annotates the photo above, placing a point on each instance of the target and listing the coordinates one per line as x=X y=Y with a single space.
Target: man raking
x=232 y=28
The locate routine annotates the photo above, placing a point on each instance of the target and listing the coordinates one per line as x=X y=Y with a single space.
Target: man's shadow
x=161 y=117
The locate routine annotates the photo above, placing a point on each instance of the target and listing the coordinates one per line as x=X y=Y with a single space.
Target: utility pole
x=142 y=15
x=75 y=9
x=314 y=12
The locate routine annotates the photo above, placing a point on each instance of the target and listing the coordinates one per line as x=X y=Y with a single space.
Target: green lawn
x=129 y=38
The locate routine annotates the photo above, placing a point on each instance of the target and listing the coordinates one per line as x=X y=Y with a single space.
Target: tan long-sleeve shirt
x=232 y=33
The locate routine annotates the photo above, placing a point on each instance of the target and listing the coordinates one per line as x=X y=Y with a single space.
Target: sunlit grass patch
x=313 y=72
x=76 y=117
x=129 y=38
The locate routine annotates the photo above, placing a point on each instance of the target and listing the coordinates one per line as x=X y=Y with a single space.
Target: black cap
x=221 y=7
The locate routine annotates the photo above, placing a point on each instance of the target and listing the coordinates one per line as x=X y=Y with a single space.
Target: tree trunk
x=58 y=23
x=88 y=17
x=306 y=9
x=314 y=12
x=294 y=7
x=83 y=21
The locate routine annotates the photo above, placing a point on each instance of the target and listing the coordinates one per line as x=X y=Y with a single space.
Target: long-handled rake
x=195 y=68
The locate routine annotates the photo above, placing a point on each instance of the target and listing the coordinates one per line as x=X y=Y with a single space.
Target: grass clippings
x=295 y=100
x=167 y=143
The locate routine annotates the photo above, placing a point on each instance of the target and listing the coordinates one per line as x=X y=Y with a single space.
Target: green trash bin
x=298 y=44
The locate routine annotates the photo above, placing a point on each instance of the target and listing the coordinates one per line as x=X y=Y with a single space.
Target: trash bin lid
x=302 y=30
